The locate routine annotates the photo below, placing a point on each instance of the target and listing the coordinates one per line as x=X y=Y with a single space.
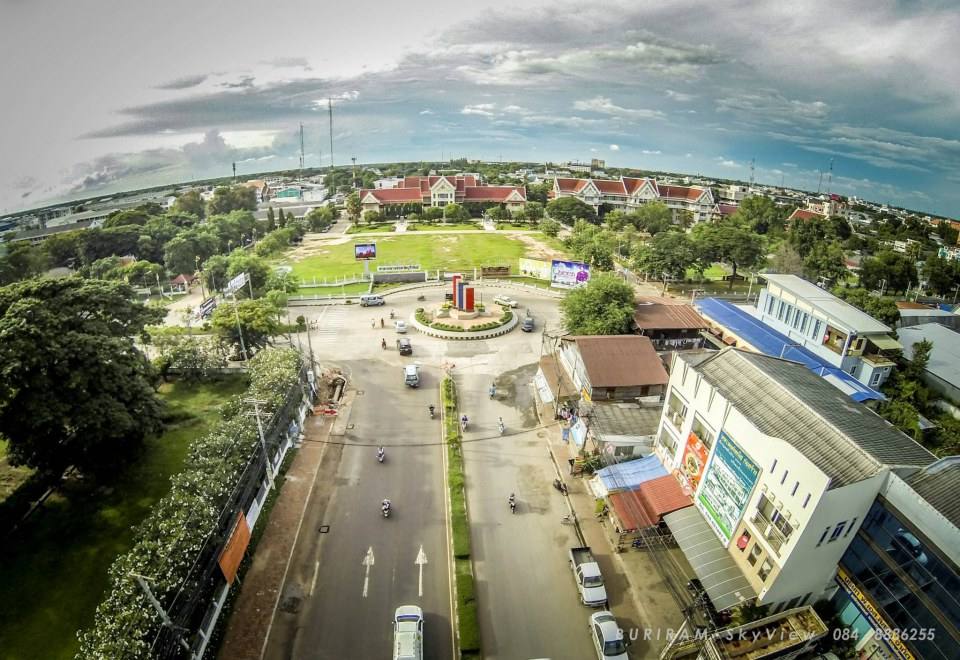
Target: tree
x=320 y=218
x=256 y=268
x=63 y=249
x=124 y=218
x=883 y=309
x=592 y=244
x=455 y=213
x=806 y=235
x=271 y=220
x=892 y=270
x=549 y=226
x=232 y=198
x=22 y=261
x=652 y=217
x=941 y=275
x=372 y=217
x=191 y=203
x=828 y=262
x=74 y=389
x=196 y=358
x=215 y=272
x=281 y=220
x=353 y=206
x=432 y=213
x=144 y=273
x=99 y=243
x=904 y=416
x=669 y=254
x=761 y=215
x=180 y=254
x=537 y=192
x=604 y=306
x=499 y=213
x=729 y=243
x=568 y=210
x=786 y=260
x=258 y=322
x=533 y=211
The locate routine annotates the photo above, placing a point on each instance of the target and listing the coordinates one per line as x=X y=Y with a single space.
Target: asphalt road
x=528 y=602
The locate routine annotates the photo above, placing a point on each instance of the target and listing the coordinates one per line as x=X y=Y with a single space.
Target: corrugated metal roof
x=620 y=360
x=624 y=419
x=839 y=310
x=651 y=314
x=644 y=506
x=939 y=484
x=783 y=399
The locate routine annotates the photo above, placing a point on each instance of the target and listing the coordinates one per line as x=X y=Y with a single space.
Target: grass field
x=463 y=251
x=380 y=227
x=359 y=287
x=54 y=571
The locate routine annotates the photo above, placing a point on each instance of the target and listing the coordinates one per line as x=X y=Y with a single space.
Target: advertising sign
x=235 y=284
x=399 y=268
x=569 y=274
x=365 y=250
x=694 y=460
x=535 y=268
x=727 y=483
x=863 y=604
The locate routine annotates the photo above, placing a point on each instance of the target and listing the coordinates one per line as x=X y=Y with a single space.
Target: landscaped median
x=468 y=625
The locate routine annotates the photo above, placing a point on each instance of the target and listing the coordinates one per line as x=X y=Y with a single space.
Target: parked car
x=408 y=633
x=506 y=301
x=404 y=346
x=607 y=637
x=586 y=572
x=527 y=324
x=401 y=326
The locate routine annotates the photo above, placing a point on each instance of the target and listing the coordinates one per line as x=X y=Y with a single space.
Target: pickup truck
x=586 y=572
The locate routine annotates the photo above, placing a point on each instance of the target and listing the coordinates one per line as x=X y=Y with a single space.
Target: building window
x=796 y=319
x=853 y=523
x=704 y=434
x=823 y=536
x=765 y=569
x=755 y=553
x=795 y=487
x=783 y=479
x=667 y=441
x=806 y=501
x=781 y=309
x=816 y=332
x=837 y=531
x=676 y=410
x=875 y=378
x=773 y=466
x=804 y=324
x=770 y=302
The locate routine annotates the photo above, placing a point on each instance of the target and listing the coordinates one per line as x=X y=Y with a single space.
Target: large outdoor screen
x=365 y=250
x=569 y=274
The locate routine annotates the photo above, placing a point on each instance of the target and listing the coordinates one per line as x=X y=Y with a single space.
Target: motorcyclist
x=385 y=505
x=512 y=502
x=463 y=422
x=493 y=390
x=380 y=454
x=392 y=314
x=500 y=424
x=431 y=408
x=381 y=322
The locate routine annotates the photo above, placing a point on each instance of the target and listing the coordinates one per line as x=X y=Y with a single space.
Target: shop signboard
x=727 y=484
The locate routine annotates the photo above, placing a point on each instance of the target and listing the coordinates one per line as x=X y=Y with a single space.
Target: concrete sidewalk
x=253 y=612
x=640 y=596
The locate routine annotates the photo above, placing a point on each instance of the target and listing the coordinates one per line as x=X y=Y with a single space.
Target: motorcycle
x=432 y=413
x=501 y=426
x=493 y=391
x=392 y=315
x=385 y=507
x=381 y=454
x=513 y=503
x=463 y=423
x=560 y=486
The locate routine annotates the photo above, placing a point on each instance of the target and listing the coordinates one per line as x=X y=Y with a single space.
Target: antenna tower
x=301 y=152
x=820 y=184
x=234 y=172
x=353 y=159
x=330 y=108
x=830 y=177
x=752 y=163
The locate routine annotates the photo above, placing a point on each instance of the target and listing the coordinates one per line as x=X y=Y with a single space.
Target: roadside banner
x=569 y=274
x=235 y=284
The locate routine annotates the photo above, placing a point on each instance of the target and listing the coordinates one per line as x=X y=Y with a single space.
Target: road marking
x=368 y=562
x=316 y=574
x=328 y=324
x=421 y=560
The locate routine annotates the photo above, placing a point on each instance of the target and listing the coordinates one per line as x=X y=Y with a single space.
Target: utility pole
x=142 y=581
x=234 y=172
x=830 y=178
x=330 y=109
x=354 y=160
x=752 y=163
x=301 y=152
x=256 y=403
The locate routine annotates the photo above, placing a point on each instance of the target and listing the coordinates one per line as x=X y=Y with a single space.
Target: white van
x=411 y=375
x=408 y=633
x=371 y=300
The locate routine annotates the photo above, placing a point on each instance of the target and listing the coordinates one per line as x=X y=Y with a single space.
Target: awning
x=884 y=342
x=630 y=474
x=644 y=506
x=724 y=582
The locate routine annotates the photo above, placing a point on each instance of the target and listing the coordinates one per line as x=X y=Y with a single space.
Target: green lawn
x=54 y=570
x=380 y=227
x=450 y=226
x=460 y=252
x=359 y=287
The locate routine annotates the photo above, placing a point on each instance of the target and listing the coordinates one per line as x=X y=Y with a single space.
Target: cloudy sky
x=106 y=95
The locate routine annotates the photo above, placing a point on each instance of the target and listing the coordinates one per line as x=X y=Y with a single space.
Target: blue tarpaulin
x=629 y=475
x=770 y=342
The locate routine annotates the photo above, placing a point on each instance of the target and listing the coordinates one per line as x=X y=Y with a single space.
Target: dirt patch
x=537 y=249
x=312 y=247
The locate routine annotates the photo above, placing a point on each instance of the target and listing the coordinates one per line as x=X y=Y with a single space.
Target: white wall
x=924 y=517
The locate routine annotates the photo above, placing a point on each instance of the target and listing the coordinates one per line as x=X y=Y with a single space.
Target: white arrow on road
x=421 y=560
x=368 y=562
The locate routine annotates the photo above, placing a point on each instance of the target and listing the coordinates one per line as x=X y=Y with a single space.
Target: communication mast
x=330 y=109
x=752 y=163
x=830 y=177
x=301 y=152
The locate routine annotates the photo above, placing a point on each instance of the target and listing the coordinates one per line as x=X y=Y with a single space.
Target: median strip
x=468 y=627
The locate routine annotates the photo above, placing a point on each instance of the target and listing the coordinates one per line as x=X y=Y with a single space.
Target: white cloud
x=679 y=96
x=603 y=105
x=651 y=152
x=614 y=147
x=426 y=111
x=482 y=109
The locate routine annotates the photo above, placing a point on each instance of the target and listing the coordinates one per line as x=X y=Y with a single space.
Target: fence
x=197 y=606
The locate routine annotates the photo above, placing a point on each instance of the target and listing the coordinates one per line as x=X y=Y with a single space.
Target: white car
x=408 y=633
x=506 y=301
x=607 y=637
x=401 y=326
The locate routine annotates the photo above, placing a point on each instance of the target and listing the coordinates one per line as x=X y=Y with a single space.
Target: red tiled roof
x=491 y=193
x=632 y=185
x=680 y=192
x=570 y=185
x=648 y=503
x=620 y=360
x=803 y=214
x=727 y=209
x=610 y=187
x=393 y=194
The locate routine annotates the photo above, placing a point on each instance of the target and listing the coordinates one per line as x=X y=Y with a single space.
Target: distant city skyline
x=116 y=96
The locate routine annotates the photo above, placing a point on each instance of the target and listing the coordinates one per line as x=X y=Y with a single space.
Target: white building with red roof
x=629 y=193
x=443 y=190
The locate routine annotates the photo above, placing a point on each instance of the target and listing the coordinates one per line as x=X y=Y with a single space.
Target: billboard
x=365 y=250
x=235 y=284
x=727 y=483
x=535 y=268
x=694 y=460
x=569 y=274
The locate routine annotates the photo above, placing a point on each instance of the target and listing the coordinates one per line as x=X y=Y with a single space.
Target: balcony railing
x=775 y=538
x=676 y=417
